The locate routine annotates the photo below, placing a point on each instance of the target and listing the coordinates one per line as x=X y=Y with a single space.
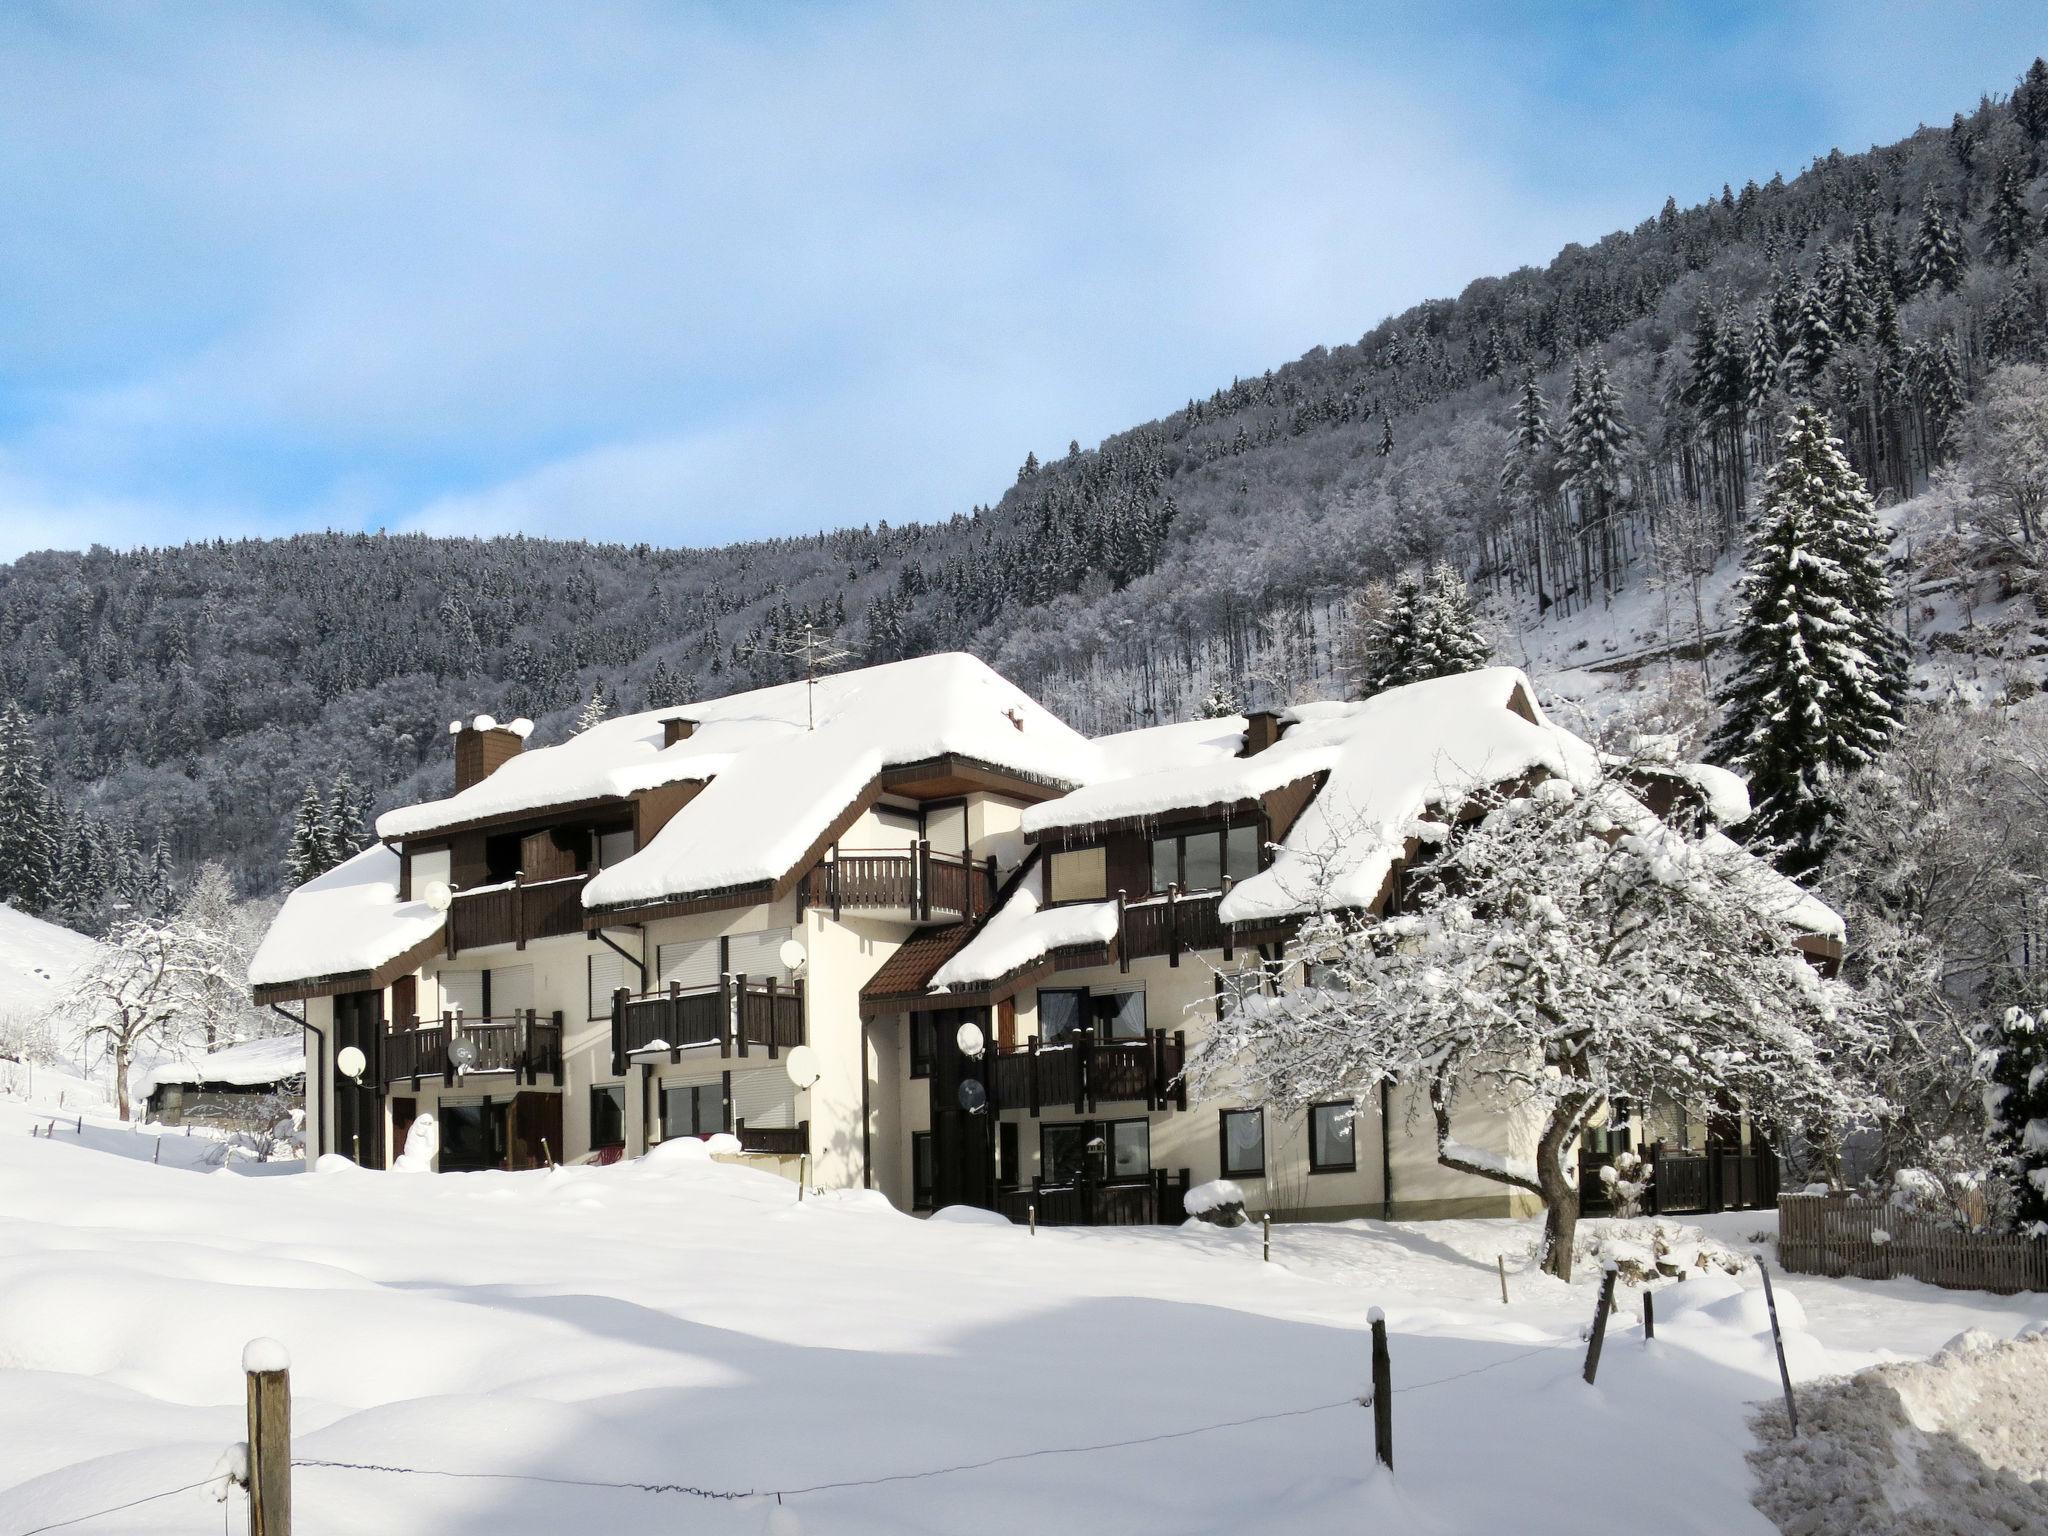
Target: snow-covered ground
x=676 y=1321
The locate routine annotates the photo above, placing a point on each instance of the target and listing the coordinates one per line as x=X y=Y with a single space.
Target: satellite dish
x=793 y=955
x=970 y=1039
x=439 y=895
x=802 y=1066
x=463 y=1053
x=350 y=1062
x=973 y=1096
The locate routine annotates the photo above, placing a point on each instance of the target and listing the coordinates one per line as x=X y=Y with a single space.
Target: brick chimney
x=1261 y=730
x=483 y=746
x=676 y=728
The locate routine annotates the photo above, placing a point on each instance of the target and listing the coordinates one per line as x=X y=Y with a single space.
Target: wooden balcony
x=1084 y=1073
x=930 y=887
x=1167 y=925
x=738 y=1015
x=524 y=1044
x=1157 y=1198
x=516 y=913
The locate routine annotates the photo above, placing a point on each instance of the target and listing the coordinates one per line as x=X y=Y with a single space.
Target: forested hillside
x=1559 y=433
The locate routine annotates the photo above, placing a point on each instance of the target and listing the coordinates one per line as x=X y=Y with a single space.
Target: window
x=1063 y=1153
x=1081 y=874
x=1332 y=1137
x=1318 y=976
x=1119 y=1015
x=1008 y=1172
x=508 y=989
x=462 y=992
x=607 y=1115
x=1130 y=1149
x=764 y=1099
x=608 y=972
x=1244 y=1143
x=1062 y=1013
x=693 y=964
x=428 y=867
x=920 y=1170
x=1197 y=860
x=924 y=1040
x=614 y=847
x=1234 y=987
x=758 y=956
x=692 y=1109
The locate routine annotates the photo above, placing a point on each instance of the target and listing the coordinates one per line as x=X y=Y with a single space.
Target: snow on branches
x=1559 y=947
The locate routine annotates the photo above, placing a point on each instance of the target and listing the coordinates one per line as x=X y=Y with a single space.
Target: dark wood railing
x=1169 y=924
x=525 y=1044
x=1155 y=1198
x=516 y=913
x=1686 y=1183
x=927 y=885
x=1086 y=1072
x=736 y=1015
x=789 y=1141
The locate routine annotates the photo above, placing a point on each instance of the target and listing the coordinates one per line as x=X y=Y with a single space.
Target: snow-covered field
x=677 y=1321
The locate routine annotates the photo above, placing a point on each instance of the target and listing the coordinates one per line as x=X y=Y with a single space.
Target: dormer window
x=1078 y=874
x=1198 y=859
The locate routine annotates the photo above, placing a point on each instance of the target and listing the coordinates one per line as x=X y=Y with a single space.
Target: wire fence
x=740 y=1495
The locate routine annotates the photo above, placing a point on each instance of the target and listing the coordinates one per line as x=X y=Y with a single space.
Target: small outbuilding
x=226 y=1085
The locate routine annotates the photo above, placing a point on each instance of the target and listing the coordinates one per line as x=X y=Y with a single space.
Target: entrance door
x=535 y=1133
x=473 y=1135
x=963 y=1142
x=358 y=1107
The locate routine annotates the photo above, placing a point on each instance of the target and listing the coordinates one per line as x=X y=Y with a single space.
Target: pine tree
x=1938 y=256
x=1814 y=343
x=1386 y=446
x=595 y=708
x=1596 y=434
x=27 y=841
x=1762 y=369
x=310 y=851
x=1425 y=630
x=347 y=818
x=1218 y=704
x=2015 y=1066
x=1816 y=694
x=2006 y=231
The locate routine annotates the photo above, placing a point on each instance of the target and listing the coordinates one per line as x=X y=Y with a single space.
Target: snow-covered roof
x=1021 y=932
x=776 y=787
x=250 y=1064
x=901 y=712
x=1181 y=744
x=347 y=920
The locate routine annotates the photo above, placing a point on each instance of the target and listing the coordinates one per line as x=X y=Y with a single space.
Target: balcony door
x=358 y=1107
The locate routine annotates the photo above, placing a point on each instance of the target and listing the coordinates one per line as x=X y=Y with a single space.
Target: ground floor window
x=472 y=1135
x=924 y=1037
x=920 y=1170
x=1063 y=1150
x=692 y=1109
x=607 y=1115
x=1244 y=1143
x=1332 y=1137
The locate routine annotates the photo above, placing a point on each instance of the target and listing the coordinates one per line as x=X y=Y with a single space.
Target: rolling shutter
x=511 y=990
x=765 y=1099
x=758 y=956
x=462 y=992
x=609 y=971
x=694 y=963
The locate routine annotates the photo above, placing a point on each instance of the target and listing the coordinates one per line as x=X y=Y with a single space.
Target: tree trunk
x=121 y=1077
x=1560 y=1203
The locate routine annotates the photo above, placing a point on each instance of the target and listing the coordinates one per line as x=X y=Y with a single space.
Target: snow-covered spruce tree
x=1938 y=252
x=1558 y=950
x=348 y=812
x=1820 y=674
x=1425 y=629
x=595 y=708
x=2015 y=1069
x=311 y=850
x=28 y=848
x=1595 y=437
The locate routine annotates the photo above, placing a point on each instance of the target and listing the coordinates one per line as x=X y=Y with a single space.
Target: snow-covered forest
x=1565 y=436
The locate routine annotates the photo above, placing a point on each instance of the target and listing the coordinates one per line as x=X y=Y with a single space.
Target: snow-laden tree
x=213 y=934
x=2005 y=458
x=1938 y=251
x=129 y=998
x=1424 y=629
x=28 y=851
x=310 y=850
x=1558 y=950
x=1816 y=691
x=2015 y=1067
x=595 y=708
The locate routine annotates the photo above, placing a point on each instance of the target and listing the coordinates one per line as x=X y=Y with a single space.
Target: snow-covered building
x=218 y=1085
x=592 y=947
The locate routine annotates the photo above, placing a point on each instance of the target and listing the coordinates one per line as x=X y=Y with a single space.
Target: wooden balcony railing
x=1169 y=924
x=736 y=1015
x=782 y=1141
x=524 y=1044
x=1155 y=1198
x=1085 y=1073
x=929 y=886
x=516 y=913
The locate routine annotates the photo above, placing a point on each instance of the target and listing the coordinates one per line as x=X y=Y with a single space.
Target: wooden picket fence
x=1837 y=1235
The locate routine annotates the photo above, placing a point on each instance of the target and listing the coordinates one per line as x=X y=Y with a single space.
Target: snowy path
x=676 y=1321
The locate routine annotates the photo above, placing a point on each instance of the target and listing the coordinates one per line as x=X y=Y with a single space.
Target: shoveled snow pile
x=1956 y=1444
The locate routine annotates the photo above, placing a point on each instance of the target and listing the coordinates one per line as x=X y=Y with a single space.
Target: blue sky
x=694 y=273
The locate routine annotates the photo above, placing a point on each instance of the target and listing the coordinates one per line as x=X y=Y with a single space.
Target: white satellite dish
x=350 y=1062
x=793 y=955
x=439 y=895
x=802 y=1066
x=463 y=1054
x=970 y=1039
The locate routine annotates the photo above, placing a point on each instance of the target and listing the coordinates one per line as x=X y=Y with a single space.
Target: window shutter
x=609 y=971
x=694 y=963
x=758 y=956
x=462 y=991
x=764 y=1099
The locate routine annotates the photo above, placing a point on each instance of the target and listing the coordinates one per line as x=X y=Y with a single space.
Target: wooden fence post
x=1031 y=1211
x=1266 y=1224
x=1599 y=1334
x=1778 y=1343
x=1649 y=1315
x=1500 y=1262
x=268 y=1369
x=1382 y=1392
